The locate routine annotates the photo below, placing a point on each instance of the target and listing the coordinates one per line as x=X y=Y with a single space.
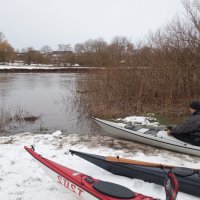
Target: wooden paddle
x=142 y=163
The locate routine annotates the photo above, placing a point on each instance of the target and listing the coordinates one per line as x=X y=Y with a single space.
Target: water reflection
x=46 y=94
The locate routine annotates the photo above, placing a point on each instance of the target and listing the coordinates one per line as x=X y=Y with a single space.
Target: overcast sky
x=34 y=23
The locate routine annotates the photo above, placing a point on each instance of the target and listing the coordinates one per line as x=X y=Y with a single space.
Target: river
x=48 y=95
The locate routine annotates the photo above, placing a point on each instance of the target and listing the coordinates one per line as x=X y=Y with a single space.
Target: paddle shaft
x=136 y=162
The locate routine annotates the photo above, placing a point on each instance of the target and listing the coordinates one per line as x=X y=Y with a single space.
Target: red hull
x=83 y=186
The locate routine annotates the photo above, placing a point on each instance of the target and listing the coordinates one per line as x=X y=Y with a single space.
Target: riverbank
x=22 y=178
x=43 y=68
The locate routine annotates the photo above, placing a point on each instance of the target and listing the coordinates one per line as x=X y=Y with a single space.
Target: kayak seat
x=113 y=190
x=133 y=128
x=151 y=132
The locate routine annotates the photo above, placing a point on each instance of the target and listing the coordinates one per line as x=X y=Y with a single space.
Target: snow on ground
x=141 y=120
x=22 y=179
x=40 y=66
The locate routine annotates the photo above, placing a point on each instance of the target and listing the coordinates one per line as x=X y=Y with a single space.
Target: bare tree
x=79 y=48
x=6 y=50
x=119 y=51
x=46 y=49
x=167 y=77
x=2 y=37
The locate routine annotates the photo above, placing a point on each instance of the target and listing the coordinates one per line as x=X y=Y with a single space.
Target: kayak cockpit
x=143 y=129
x=113 y=190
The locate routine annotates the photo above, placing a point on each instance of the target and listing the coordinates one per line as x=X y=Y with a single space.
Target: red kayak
x=88 y=188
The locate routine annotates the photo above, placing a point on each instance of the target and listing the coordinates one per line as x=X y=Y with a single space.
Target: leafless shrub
x=19 y=116
x=159 y=75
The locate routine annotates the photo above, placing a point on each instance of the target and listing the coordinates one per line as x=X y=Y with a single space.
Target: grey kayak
x=150 y=136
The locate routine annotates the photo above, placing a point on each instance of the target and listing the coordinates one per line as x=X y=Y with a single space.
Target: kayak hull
x=189 y=184
x=83 y=186
x=158 y=139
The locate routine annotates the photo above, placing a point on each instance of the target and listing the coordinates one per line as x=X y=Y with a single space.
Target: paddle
x=171 y=186
x=142 y=163
x=135 y=162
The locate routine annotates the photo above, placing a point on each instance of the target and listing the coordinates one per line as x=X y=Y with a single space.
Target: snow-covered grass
x=40 y=66
x=22 y=179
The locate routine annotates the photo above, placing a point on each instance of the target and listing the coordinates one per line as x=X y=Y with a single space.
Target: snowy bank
x=21 y=177
x=44 y=67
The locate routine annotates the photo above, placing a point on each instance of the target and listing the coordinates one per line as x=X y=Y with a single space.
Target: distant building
x=55 y=57
x=64 y=47
x=60 y=53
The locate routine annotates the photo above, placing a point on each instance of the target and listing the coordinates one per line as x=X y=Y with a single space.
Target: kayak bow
x=83 y=186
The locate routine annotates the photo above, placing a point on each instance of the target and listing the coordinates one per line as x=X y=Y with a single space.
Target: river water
x=48 y=95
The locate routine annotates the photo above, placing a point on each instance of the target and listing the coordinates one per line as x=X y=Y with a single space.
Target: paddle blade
x=171 y=186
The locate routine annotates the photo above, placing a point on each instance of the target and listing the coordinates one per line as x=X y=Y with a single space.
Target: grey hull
x=160 y=139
